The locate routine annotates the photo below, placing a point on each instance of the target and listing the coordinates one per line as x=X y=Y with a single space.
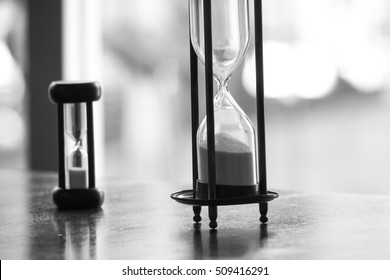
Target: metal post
x=260 y=107
x=194 y=121
x=91 y=146
x=210 y=110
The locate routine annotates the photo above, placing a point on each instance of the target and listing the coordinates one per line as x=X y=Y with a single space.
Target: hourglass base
x=187 y=197
x=74 y=199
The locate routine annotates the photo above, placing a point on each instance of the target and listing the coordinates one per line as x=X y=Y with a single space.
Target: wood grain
x=140 y=221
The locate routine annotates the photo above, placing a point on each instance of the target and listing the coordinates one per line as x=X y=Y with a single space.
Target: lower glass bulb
x=77 y=169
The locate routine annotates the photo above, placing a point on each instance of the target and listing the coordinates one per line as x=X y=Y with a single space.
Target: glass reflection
x=78 y=232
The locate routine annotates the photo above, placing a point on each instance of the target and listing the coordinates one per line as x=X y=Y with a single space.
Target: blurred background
x=327 y=86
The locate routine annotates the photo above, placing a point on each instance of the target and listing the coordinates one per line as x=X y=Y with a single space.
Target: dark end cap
x=75 y=199
x=74 y=92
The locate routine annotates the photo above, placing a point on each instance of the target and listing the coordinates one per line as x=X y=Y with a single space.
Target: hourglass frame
x=63 y=94
x=191 y=197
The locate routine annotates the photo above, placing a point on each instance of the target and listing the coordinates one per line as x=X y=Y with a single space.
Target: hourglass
x=235 y=152
x=76 y=188
x=224 y=148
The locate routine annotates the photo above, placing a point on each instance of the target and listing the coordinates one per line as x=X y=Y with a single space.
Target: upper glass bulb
x=75 y=120
x=230 y=34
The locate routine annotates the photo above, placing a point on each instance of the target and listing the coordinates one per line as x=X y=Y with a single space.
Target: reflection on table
x=140 y=221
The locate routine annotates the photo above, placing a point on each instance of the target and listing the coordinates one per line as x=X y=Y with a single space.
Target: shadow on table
x=74 y=235
x=228 y=244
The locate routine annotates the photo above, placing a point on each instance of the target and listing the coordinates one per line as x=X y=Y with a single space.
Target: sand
x=234 y=160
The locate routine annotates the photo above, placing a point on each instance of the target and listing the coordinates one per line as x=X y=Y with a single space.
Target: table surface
x=140 y=221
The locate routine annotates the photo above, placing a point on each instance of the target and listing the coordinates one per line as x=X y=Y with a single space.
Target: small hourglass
x=235 y=149
x=76 y=188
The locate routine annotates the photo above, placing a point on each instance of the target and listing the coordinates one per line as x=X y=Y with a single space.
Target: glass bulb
x=76 y=120
x=235 y=144
x=230 y=32
x=77 y=159
x=77 y=168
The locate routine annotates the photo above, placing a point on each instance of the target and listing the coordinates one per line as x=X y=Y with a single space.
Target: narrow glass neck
x=222 y=83
x=223 y=98
x=78 y=144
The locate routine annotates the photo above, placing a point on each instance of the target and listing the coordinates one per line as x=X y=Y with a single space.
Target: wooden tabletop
x=141 y=221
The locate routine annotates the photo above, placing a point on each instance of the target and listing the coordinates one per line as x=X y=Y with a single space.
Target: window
x=12 y=84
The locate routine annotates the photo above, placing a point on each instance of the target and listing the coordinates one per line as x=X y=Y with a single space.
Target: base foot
x=213 y=224
x=263 y=207
x=213 y=214
x=197 y=218
x=263 y=219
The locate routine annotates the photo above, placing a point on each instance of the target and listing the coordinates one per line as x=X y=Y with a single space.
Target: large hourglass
x=235 y=149
x=228 y=164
